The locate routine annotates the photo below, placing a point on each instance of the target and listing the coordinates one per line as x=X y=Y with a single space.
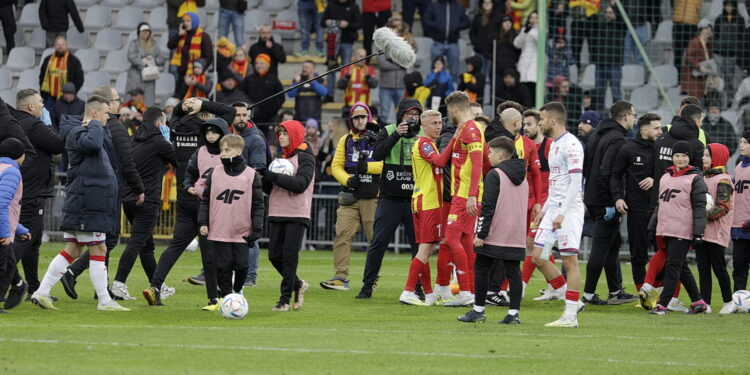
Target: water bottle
x=547 y=250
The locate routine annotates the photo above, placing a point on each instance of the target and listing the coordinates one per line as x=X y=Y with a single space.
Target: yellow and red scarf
x=194 y=53
x=240 y=67
x=193 y=91
x=357 y=89
x=56 y=75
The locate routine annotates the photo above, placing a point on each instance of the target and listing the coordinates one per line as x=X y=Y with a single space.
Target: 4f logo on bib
x=741 y=185
x=229 y=196
x=668 y=194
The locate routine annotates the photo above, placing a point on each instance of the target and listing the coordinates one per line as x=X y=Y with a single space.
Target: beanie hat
x=69 y=88
x=681 y=147
x=264 y=57
x=11 y=148
x=196 y=21
x=590 y=117
x=746 y=135
x=719 y=154
x=311 y=122
x=199 y=63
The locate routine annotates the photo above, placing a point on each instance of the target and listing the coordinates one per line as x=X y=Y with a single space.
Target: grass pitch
x=337 y=334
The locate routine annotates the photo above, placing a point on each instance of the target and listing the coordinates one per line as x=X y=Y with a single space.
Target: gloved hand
x=609 y=213
x=697 y=241
x=652 y=237
x=261 y=171
x=527 y=28
x=164 y=130
x=362 y=167
x=353 y=182
x=746 y=226
x=254 y=236
x=269 y=176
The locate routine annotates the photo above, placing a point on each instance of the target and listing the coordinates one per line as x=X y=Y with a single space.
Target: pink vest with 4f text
x=741 y=196
x=230 y=208
x=506 y=229
x=14 y=209
x=675 y=206
x=206 y=161
x=284 y=203
x=717 y=231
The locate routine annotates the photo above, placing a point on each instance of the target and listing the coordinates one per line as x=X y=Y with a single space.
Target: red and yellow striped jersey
x=427 y=166
x=466 y=162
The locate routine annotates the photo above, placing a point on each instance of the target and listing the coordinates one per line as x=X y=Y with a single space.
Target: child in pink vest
x=741 y=219
x=716 y=239
x=231 y=213
x=680 y=218
x=11 y=186
x=500 y=235
x=289 y=205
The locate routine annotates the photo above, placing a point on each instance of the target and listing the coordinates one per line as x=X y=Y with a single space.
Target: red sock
x=415 y=269
x=444 y=267
x=638 y=287
x=572 y=295
x=558 y=282
x=504 y=286
x=426 y=279
x=677 y=290
x=528 y=269
x=453 y=240
x=551 y=259
x=467 y=241
x=655 y=266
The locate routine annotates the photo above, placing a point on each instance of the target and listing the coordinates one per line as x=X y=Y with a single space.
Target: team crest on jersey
x=389 y=175
x=452 y=218
x=427 y=149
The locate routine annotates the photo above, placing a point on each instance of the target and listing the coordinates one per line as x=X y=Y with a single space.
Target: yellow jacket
x=339 y=160
x=687 y=11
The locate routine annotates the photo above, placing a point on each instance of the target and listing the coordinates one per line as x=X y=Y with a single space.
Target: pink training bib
x=230 y=208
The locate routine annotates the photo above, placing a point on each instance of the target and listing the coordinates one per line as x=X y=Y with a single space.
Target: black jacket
x=518 y=93
x=601 y=152
x=634 y=162
x=231 y=96
x=495 y=129
x=729 y=35
x=296 y=184
x=128 y=174
x=38 y=171
x=152 y=153
x=683 y=129
x=608 y=39
x=515 y=169
x=192 y=172
x=446 y=133
x=258 y=209
x=698 y=193
x=482 y=36
x=258 y=88
x=506 y=56
x=9 y=128
x=173 y=22
x=53 y=15
x=443 y=21
x=349 y=12
x=478 y=86
x=75 y=73
x=239 y=6
x=396 y=177
x=74 y=108
x=276 y=52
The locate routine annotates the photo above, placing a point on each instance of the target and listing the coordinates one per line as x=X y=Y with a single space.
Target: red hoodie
x=296 y=132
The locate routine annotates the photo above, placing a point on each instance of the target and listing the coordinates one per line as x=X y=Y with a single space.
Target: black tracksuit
x=633 y=164
x=601 y=152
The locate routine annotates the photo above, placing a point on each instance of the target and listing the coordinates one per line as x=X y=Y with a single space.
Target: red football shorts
x=459 y=219
x=429 y=225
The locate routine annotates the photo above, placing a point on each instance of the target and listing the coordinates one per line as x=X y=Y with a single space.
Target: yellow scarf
x=56 y=75
x=194 y=91
x=187 y=6
x=194 y=51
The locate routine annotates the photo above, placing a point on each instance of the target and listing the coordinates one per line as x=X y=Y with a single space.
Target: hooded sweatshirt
x=601 y=152
x=348 y=152
x=473 y=82
x=205 y=157
x=720 y=187
x=151 y=153
x=633 y=164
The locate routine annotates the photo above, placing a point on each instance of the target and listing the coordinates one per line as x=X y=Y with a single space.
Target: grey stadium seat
x=83 y=4
x=97 y=18
x=121 y=82
x=29 y=16
x=149 y=4
x=108 y=40
x=633 y=75
x=158 y=19
x=254 y=19
x=213 y=6
x=89 y=58
x=589 y=77
x=6 y=79
x=128 y=18
x=46 y=53
x=78 y=40
x=9 y=95
x=286 y=23
x=667 y=74
x=274 y=6
x=92 y=81
x=644 y=98
x=117 y=61
x=29 y=79
x=664 y=32
x=38 y=39
x=20 y=58
x=164 y=86
x=115 y=3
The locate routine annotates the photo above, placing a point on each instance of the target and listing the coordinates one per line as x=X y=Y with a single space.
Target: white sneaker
x=567 y=322
x=728 y=308
x=504 y=293
x=43 y=301
x=676 y=305
x=431 y=299
x=410 y=298
x=551 y=295
x=119 y=289
x=111 y=306
x=166 y=291
x=461 y=299
x=444 y=293
x=708 y=309
x=581 y=306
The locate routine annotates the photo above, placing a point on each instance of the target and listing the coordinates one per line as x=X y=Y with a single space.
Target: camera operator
x=393 y=146
x=359 y=174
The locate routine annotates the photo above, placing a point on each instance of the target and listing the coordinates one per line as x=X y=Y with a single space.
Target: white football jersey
x=565 y=158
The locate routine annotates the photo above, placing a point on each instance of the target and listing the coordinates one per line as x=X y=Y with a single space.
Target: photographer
x=393 y=146
x=359 y=174
x=308 y=99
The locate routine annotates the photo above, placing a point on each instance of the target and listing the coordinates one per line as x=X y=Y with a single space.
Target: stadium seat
x=424 y=47
x=20 y=58
x=667 y=74
x=212 y=6
x=84 y=4
x=89 y=58
x=97 y=18
x=38 y=39
x=29 y=16
x=29 y=79
x=286 y=23
x=589 y=77
x=644 y=98
x=254 y=19
x=128 y=18
x=9 y=95
x=633 y=75
x=163 y=40
x=149 y=4
x=675 y=97
x=46 y=53
x=731 y=116
x=664 y=32
x=117 y=61
x=252 y=4
x=573 y=69
x=158 y=19
x=108 y=40
x=115 y=3
x=121 y=83
x=275 y=6
x=78 y=40
x=92 y=81
x=165 y=86
x=6 y=79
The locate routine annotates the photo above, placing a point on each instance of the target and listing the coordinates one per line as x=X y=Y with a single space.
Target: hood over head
x=217 y=125
x=515 y=169
x=719 y=154
x=296 y=132
x=355 y=107
x=196 y=21
x=683 y=128
x=405 y=105
x=477 y=62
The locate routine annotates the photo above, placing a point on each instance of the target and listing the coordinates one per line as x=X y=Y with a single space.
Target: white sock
x=674 y=300
x=588 y=296
x=562 y=289
x=524 y=285
x=478 y=308
x=512 y=312
x=571 y=308
x=55 y=272
x=20 y=282
x=98 y=273
x=647 y=287
x=549 y=287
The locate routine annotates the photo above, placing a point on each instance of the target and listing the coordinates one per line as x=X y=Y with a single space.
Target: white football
x=709 y=201
x=282 y=166
x=193 y=245
x=234 y=306
x=741 y=298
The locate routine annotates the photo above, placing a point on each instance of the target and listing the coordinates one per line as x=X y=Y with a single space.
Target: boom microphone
x=395 y=47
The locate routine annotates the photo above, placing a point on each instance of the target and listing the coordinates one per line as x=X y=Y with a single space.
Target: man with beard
x=266 y=45
x=57 y=69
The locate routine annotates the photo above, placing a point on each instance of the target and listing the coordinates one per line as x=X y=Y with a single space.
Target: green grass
x=336 y=334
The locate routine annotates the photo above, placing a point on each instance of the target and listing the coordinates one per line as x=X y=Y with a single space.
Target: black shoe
x=510 y=319
x=472 y=317
x=15 y=295
x=69 y=284
x=497 y=300
x=595 y=300
x=53 y=298
x=364 y=293
x=419 y=292
x=621 y=298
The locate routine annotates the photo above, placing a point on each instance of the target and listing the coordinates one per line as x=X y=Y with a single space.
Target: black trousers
x=741 y=261
x=231 y=258
x=711 y=256
x=676 y=269
x=581 y=29
x=7 y=268
x=388 y=215
x=185 y=229
x=639 y=245
x=681 y=35
x=141 y=243
x=512 y=270
x=605 y=248
x=9 y=27
x=371 y=21
x=32 y=217
x=284 y=242
x=409 y=6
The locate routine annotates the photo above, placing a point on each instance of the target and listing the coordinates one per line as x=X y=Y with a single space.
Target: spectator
x=357 y=80
x=286 y=116
x=53 y=17
x=483 y=32
x=225 y=51
x=229 y=88
x=510 y=89
x=391 y=86
x=310 y=13
x=698 y=66
x=442 y=23
x=189 y=44
x=607 y=55
x=523 y=7
x=588 y=122
x=312 y=136
x=720 y=129
x=8 y=20
x=343 y=20
x=136 y=101
x=401 y=29
x=198 y=84
x=375 y=14
x=506 y=54
x=730 y=36
x=557 y=16
x=232 y=13
x=565 y=92
x=176 y=9
x=266 y=45
x=472 y=82
x=259 y=85
x=440 y=84
x=240 y=63
x=526 y=41
x=143 y=52
x=640 y=12
x=560 y=58
x=685 y=18
x=169 y=107
x=410 y=6
x=415 y=88
x=584 y=18
x=68 y=104
x=57 y=69
x=308 y=99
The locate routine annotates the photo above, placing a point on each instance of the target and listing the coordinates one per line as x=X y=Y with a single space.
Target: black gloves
x=527 y=28
x=271 y=177
x=254 y=236
x=353 y=182
x=362 y=167
x=746 y=226
x=697 y=241
x=652 y=237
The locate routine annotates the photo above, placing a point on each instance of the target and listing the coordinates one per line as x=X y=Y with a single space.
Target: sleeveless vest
x=14 y=208
x=398 y=178
x=308 y=104
x=229 y=212
x=368 y=183
x=284 y=203
x=741 y=196
x=717 y=231
x=206 y=161
x=675 y=206
x=512 y=203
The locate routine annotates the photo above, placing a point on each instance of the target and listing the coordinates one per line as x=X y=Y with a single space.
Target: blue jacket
x=257 y=153
x=443 y=20
x=91 y=201
x=9 y=180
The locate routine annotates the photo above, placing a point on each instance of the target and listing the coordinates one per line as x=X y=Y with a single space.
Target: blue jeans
x=450 y=51
x=389 y=99
x=234 y=19
x=632 y=55
x=345 y=51
x=309 y=20
x=252 y=269
x=608 y=74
